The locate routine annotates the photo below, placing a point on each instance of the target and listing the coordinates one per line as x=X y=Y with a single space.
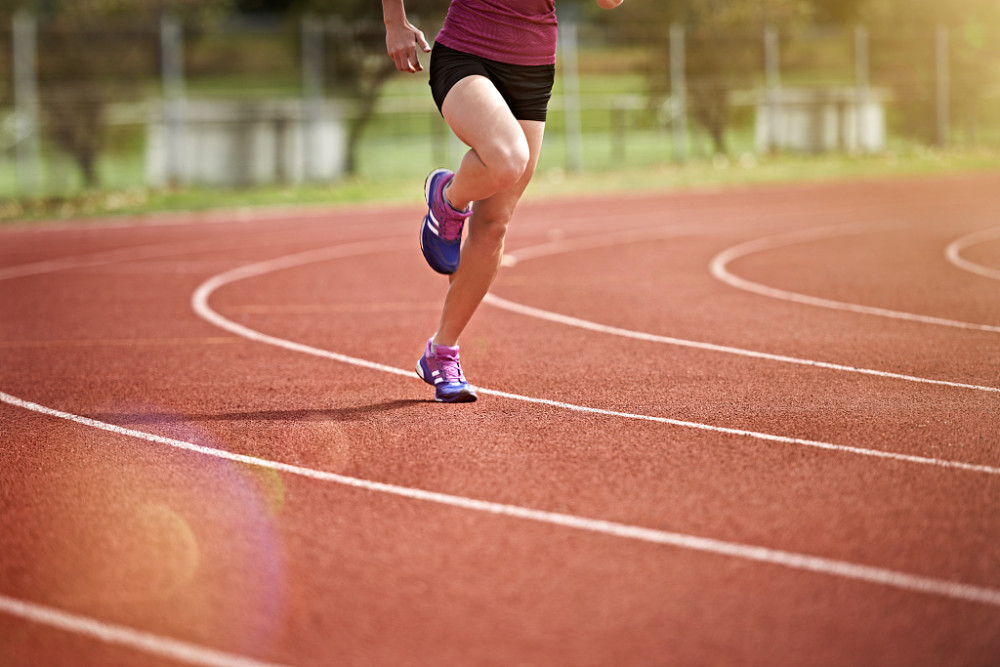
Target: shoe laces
x=453 y=223
x=451 y=220
x=451 y=369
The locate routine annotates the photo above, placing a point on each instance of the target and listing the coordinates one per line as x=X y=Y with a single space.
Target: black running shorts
x=525 y=88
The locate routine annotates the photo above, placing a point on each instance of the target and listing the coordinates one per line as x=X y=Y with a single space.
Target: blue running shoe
x=440 y=368
x=441 y=230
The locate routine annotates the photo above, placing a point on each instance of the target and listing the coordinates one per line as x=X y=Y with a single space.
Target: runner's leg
x=487 y=227
x=499 y=151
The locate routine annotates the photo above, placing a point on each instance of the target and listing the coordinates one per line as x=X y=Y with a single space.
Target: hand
x=402 y=42
x=609 y=4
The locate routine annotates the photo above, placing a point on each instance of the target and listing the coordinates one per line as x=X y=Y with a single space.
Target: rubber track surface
x=753 y=426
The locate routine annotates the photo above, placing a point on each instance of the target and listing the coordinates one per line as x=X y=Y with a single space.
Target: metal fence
x=124 y=106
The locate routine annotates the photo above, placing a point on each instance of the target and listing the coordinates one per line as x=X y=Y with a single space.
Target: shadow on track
x=356 y=413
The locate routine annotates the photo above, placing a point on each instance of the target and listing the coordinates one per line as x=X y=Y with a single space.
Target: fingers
x=422 y=43
x=406 y=59
x=403 y=51
x=409 y=62
x=414 y=61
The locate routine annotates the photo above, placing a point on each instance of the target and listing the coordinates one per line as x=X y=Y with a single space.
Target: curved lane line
x=603 y=240
x=200 y=298
x=198 y=655
x=152 y=251
x=110 y=633
x=758 y=554
x=199 y=303
x=567 y=320
x=514 y=258
x=719 y=268
x=954 y=253
x=94 y=259
x=194 y=654
x=134 y=253
x=82 y=625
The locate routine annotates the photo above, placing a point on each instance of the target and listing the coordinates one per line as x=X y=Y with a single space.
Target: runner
x=491 y=75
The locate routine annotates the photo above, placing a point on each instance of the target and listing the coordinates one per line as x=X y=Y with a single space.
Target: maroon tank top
x=518 y=32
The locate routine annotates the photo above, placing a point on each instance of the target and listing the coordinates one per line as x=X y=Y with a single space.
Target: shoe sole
x=466 y=396
x=426 y=258
x=427 y=184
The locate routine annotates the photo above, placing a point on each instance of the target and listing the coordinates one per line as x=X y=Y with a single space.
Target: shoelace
x=451 y=226
x=451 y=370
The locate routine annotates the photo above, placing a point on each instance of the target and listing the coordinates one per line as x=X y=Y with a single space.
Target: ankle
x=436 y=342
x=447 y=200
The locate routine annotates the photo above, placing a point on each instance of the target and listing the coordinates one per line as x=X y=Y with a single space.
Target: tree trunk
x=371 y=88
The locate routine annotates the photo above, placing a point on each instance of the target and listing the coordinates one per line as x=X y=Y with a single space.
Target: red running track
x=751 y=426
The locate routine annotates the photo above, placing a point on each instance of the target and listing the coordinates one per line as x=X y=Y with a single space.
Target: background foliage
x=99 y=60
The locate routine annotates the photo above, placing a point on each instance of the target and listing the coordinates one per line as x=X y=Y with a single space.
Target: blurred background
x=123 y=105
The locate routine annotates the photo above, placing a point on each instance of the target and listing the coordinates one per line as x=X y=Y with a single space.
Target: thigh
x=478 y=115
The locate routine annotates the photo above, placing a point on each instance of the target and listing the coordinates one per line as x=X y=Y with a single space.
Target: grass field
x=383 y=180
x=625 y=147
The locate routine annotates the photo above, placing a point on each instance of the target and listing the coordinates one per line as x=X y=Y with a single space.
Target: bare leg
x=499 y=153
x=483 y=247
x=493 y=175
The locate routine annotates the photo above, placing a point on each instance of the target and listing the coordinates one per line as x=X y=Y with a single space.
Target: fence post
x=619 y=129
x=312 y=95
x=25 y=40
x=772 y=76
x=943 y=88
x=678 y=93
x=172 y=59
x=862 y=74
x=571 y=94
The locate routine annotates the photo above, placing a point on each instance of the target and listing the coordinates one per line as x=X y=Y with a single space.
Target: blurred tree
x=906 y=62
x=92 y=51
x=724 y=49
x=264 y=6
x=840 y=12
x=362 y=64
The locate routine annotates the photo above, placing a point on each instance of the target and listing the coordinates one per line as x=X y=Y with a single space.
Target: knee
x=489 y=226
x=510 y=164
x=493 y=226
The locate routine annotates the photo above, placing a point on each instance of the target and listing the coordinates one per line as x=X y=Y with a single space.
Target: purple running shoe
x=441 y=230
x=440 y=368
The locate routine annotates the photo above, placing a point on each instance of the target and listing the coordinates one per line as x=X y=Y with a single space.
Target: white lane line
x=760 y=554
x=788 y=559
x=101 y=630
x=549 y=316
x=236 y=216
x=143 y=252
x=99 y=258
x=514 y=258
x=719 y=268
x=596 y=241
x=199 y=302
x=110 y=633
x=954 y=252
x=589 y=242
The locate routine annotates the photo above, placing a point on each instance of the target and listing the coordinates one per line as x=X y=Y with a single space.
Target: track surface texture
x=754 y=426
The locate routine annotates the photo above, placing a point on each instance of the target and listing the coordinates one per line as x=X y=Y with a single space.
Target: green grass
x=757 y=170
x=403 y=185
